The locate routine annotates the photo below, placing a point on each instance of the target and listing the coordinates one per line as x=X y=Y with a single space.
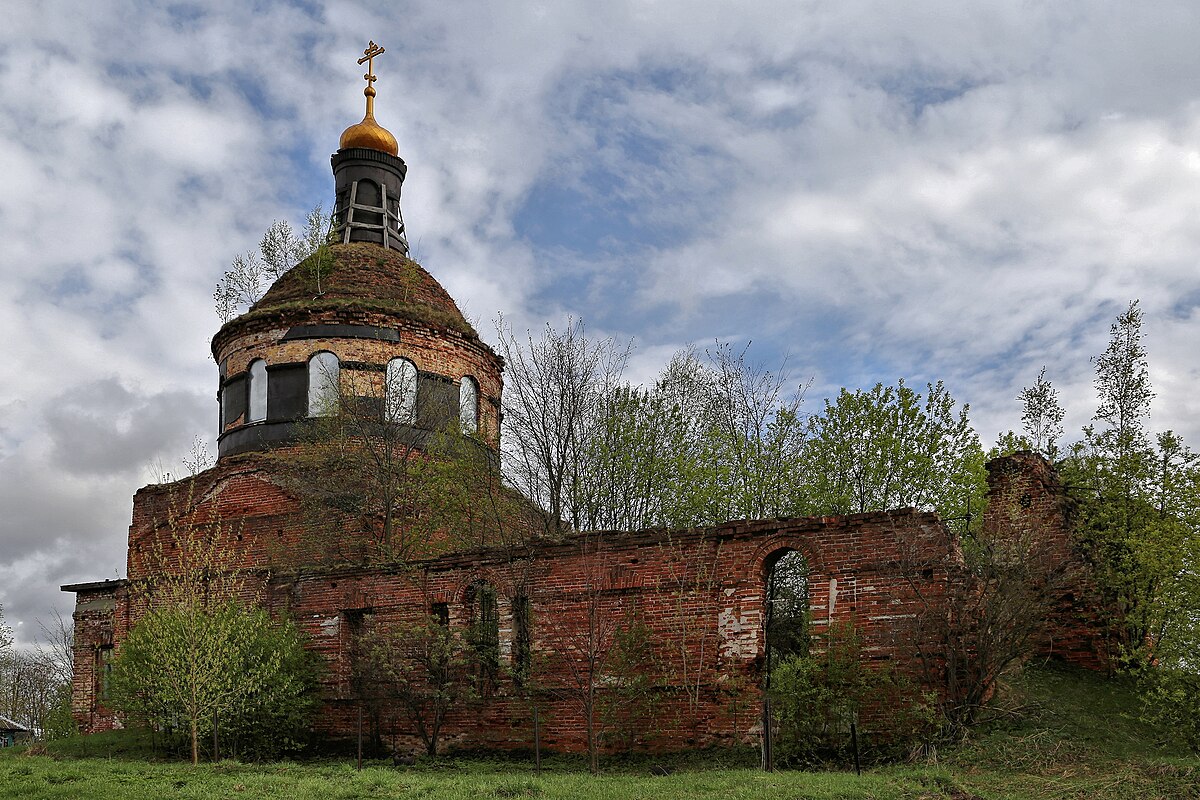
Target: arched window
x=468 y=405
x=401 y=391
x=258 y=391
x=368 y=194
x=323 y=373
x=484 y=634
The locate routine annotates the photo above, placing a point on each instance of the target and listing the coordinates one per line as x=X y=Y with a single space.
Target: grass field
x=1055 y=734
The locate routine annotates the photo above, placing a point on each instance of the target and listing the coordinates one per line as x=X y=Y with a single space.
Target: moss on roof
x=366 y=277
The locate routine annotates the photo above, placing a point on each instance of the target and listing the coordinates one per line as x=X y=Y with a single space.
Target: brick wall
x=1028 y=506
x=700 y=593
x=101 y=619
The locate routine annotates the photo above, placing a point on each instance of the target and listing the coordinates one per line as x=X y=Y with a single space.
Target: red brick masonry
x=700 y=592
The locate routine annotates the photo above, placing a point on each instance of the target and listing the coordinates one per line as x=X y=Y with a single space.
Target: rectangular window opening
x=522 y=639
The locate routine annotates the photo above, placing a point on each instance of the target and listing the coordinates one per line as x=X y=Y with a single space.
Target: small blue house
x=12 y=733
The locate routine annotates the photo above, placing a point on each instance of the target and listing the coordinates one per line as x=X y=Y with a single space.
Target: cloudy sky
x=934 y=190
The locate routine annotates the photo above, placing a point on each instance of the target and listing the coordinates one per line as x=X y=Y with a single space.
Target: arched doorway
x=786 y=626
x=787 y=616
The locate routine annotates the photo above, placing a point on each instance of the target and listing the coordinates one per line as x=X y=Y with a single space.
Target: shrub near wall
x=816 y=696
x=224 y=673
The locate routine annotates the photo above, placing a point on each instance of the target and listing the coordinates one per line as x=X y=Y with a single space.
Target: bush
x=187 y=668
x=1170 y=698
x=815 y=698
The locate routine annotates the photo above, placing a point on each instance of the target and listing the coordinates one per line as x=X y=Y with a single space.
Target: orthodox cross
x=369 y=57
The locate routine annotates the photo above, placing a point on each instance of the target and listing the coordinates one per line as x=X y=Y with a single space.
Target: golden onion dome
x=369 y=133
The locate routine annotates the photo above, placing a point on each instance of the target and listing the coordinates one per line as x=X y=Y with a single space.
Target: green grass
x=1058 y=732
x=38 y=777
x=1054 y=733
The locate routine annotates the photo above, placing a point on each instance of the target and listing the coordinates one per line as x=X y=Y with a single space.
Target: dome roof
x=371 y=135
x=365 y=276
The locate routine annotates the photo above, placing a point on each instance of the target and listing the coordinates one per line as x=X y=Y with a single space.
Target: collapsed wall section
x=1030 y=511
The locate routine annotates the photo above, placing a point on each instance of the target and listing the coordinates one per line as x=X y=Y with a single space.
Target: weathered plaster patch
x=739 y=633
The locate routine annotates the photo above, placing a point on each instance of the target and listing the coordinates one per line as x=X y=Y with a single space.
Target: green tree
x=274 y=713
x=202 y=651
x=425 y=666
x=690 y=450
x=1041 y=422
x=1169 y=674
x=577 y=641
x=628 y=706
x=632 y=470
x=817 y=695
x=1041 y=419
x=1042 y=416
x=892 y=448
x=1012 y=578
x=757 y=433
x=217 y=663
x=465 y=493
x=715 y=439
x=5 y=653
x=1118 y=454
x=35 y=684
x=251 y=274
x=363 y=476
x=1139 y=496
x=5 y=634
x=398 y=489
x=554 y=400
x=1123 y=383
x=8 y=662
x=691 y=644
x=1113 y=466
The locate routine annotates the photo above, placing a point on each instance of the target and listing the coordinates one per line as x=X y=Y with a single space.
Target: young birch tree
x=423 y=665
x=252 y=273
x=1138 y=495
x=1041 y=422
x=579 y=640
x=757 y=434
x=1042 y=416
x=692 y=579
x=200 y=652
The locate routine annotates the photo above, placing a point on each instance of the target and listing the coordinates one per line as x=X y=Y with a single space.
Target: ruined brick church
x=374 y=317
